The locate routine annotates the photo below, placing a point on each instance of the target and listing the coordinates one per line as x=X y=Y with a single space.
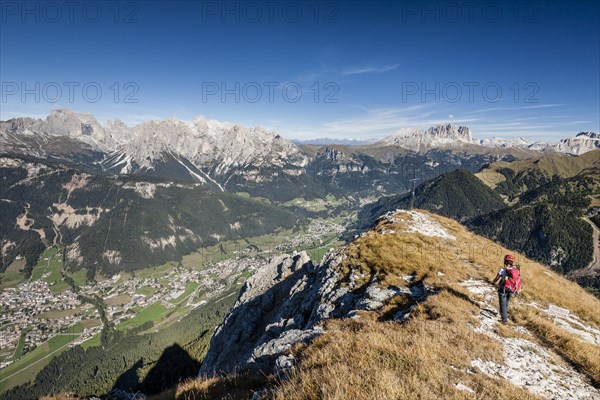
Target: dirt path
x=25 y=223
x=527 y=363
x=594 y=266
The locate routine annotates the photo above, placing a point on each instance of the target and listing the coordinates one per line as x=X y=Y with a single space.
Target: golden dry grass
x=422 y=359
x=564 y=166
x=490 y=177
x=233 y=387
x=391 y=256
x=444 y=263
x=506 y=332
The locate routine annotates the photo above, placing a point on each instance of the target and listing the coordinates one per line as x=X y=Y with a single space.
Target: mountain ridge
x=228 y=157
x=193 y=139
x=377 y=300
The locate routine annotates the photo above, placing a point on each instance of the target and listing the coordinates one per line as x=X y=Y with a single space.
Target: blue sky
x=310 y=69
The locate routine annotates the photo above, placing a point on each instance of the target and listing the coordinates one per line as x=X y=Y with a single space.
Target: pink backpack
x=513 y=282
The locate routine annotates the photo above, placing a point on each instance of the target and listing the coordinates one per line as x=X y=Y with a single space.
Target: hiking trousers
x=504 y=298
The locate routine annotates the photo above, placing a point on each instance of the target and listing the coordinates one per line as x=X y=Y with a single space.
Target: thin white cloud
x=492 y=109
x=375 y=123
x=369 y=69
x=372 y=123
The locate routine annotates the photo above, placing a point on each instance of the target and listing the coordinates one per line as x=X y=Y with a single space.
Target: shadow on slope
x=173 y=366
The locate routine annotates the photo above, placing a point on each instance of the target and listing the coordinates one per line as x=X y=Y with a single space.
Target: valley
x=53 y=310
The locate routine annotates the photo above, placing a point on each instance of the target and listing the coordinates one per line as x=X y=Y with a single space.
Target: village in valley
x=53 y=310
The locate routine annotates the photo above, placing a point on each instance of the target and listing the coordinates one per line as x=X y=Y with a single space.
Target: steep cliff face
x=283 y=304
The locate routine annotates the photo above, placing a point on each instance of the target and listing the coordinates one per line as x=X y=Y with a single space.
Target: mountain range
x=452 y=136
x=229 y=157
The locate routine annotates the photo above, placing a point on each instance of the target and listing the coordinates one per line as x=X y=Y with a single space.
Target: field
x=49 y=268
x=154 y=272
x=316 y=205
x=146 y=291
x=316 y=254
x=232 y=248
x=58 y=314
x=151 y=313
x=19 y=350
x=191 y=286
x=117 y=300
x=93 y=342
x=89 y=323
x=79 y=277
x=31 y=364
x=12 y=276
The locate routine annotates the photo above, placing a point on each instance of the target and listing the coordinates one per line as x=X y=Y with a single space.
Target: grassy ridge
x=542 y=216
x=375 y=358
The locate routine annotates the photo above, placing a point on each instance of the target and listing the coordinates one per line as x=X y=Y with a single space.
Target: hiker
x=510 y=283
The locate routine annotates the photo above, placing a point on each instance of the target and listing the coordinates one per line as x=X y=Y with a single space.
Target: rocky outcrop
x=582 y=143
x=449 y=136
x=283 y=304
x=287 y=301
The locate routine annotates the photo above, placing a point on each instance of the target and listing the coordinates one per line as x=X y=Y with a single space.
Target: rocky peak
x=64 y=122
x=503 y=142
x=439 y=136
x=18 y=125
x=214 y=145
x=334 y=154
x=450 y=131
x=591 y=135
